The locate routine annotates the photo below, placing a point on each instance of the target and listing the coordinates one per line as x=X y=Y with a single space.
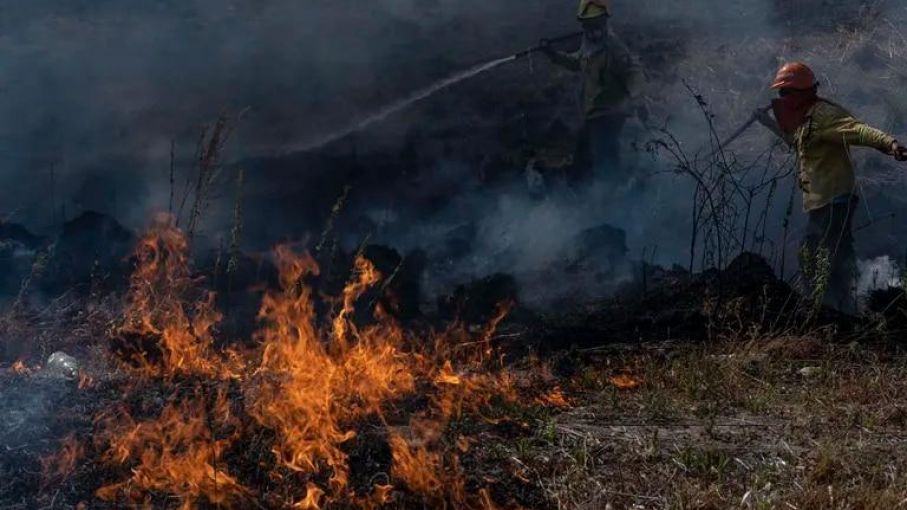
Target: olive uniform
x=611 y=78
x=828 y=183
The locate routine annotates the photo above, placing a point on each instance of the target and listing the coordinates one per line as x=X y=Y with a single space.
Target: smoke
x=559 y=245
x=99 y=89
x=880 y=273
x=730 y=51
x=93 y=92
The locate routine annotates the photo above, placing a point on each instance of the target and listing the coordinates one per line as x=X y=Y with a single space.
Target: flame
x=64 y=462
x=501 y=313
x=306 y=390
x=423 y=462
x=417 y=467
x=85 y=380
x=379 y=497
x=367 y=276
x=307 y=387
x=487 y=502
x=20 y=368
x=447 y=375
x=177 y=453
x=382 y=494
x=554 y=398
x=625 y=381
x=312 y=498
x=159 y=286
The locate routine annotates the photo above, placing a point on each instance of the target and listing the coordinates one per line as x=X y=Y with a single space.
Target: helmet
x=591 y=9
x=795 y=75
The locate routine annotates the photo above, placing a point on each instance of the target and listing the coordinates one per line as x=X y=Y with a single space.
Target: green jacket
x=823 y=144
x=611 y=77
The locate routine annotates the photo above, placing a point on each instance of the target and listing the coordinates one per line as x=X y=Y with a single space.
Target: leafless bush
x=732 y=197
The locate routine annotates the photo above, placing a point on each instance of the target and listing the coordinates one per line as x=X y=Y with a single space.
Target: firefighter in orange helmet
x=612 y=80
x=822 y=133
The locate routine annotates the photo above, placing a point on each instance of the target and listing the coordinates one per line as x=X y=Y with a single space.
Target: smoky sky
x=92 y=92
x=92 y=86
x=98 y=88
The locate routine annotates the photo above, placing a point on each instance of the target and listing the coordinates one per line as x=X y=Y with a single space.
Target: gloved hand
x=763 y=117
x=899 y=152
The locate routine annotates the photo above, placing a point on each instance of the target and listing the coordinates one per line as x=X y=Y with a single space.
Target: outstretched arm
x=569 y=61
x=841 y=127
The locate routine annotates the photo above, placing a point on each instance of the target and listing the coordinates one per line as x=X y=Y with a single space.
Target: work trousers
x=598 y=150
x=827 y=256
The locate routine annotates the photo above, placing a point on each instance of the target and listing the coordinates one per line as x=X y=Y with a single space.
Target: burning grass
x=326 y=406
x=320 y=412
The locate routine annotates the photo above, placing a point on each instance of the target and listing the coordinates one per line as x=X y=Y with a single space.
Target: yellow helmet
x=591 y=9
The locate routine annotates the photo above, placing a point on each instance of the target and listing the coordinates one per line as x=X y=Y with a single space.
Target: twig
x=172 y=166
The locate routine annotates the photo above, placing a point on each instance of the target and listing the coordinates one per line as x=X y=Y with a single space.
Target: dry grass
x=778 y=423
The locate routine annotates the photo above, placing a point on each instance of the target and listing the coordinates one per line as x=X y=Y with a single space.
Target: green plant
x=704 y=462
x=548 y=431
x=828 y=465
x=815 y=266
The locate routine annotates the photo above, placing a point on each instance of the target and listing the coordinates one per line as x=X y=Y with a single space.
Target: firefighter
x=822 y=133
x=612 y=79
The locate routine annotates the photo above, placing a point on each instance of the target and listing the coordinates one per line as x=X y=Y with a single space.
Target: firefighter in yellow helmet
x=822 y=133
x=612 y=80
x=592 y=9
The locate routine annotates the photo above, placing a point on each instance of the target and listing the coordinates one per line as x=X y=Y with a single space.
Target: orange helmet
x=795 y=75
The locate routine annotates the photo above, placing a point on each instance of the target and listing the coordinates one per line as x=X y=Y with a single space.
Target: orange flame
x=177 y=453
x=306 y=390
x=85 y=380
x=625 y=381
x=312 y=498
x=64 y=462
x=20 y=368
x=554 y=398
x=487 y=502
x=424 y=462
x=367 y=276
x=310 y=386
x=417 y=467
x=154 y=308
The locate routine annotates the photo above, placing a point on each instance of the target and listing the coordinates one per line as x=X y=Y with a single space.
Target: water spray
x=421 y=94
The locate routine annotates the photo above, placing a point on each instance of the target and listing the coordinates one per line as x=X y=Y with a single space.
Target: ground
x=790 y=422
x=779 y=423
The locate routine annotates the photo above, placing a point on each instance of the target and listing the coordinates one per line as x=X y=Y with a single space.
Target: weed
x=704 y=462
x=815 y=266
x=548 y=431
x=657 y=407
x=828 y=466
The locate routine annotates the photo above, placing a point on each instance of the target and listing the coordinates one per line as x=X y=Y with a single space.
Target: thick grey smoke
x=96 y=91
x=731 y=52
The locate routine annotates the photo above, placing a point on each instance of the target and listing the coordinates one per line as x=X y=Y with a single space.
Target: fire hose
x=421 y=94
x=754 y=118
x=546 y=43
x=743 y=128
